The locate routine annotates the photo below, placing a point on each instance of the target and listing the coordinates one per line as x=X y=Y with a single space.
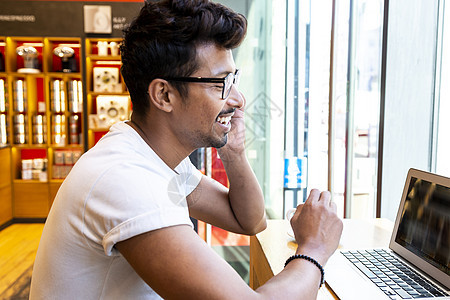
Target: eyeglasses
x=227 y=81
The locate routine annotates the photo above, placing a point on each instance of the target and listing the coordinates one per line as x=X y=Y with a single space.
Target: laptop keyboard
x=392 y=276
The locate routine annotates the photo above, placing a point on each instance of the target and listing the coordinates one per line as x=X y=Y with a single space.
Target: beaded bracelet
x=310 y=259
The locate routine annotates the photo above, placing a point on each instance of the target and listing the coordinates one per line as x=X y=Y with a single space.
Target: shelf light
x=33 y=44
x=108 y=62
x=70 y=45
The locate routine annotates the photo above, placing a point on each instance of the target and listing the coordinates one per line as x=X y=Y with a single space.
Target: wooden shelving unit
x=41 y=121
x=45 y=109
x=104 y=83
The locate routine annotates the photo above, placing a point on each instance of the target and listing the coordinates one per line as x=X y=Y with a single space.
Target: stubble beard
x=210 y=141
x=221 y=143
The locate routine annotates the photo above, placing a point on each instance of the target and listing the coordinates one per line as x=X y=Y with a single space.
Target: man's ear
x=160 y=94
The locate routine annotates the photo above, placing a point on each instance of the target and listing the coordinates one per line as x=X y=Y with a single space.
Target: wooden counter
x=270 y=248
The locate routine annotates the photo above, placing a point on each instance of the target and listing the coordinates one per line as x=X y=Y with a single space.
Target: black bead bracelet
x=310 y=259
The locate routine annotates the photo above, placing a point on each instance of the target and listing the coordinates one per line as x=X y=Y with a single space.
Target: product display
x=75 y=96
x=31 y=63
x=34 y=169
x=114 y=47
x=57 y=96
x=3 y=130
x=102 y=47
x=59 y=130
x=39 y=129
x=20 y=96
x=106 y=79
x=63 y=162
x=111 y=109
x=20 y=132
x=74 y=130
x=3 y=98
x=68 y=61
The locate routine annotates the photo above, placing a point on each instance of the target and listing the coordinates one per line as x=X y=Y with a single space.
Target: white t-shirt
x=118 y=189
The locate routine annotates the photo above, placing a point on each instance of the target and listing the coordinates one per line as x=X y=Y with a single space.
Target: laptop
x=417 y=263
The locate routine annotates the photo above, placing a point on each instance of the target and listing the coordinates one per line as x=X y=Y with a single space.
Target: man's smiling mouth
x=225 y=117
x=224 y=120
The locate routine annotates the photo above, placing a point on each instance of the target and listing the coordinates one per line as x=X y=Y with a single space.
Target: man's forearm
x=299 y=280
x=245 y=195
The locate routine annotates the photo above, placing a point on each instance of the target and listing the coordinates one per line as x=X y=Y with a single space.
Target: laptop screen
x=424 y=227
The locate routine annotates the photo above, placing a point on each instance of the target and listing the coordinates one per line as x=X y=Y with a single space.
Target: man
x=119 y=227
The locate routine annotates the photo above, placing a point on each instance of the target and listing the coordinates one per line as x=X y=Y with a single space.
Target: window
x=443 y=92
x=341 y=134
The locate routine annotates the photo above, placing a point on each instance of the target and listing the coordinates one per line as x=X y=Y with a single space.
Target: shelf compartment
x=64 y=55
x=26 y=63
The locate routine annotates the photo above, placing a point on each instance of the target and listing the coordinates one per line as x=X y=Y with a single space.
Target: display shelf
x=57 y=181
x=29 y=163
x=31 y=181
x=103 y=58
x=61 y=161
x=103 y=47
x=31 y=60
x=45 y=147
x=28 y=101
x=108 y=100
x=65 y=75
x=47 y=95
x=65 y=111
x=18 y=74
x=72 y=147
x=94 y=94
x=104 y=76
x=104 y=129
x=44 y=94
x=63 y=55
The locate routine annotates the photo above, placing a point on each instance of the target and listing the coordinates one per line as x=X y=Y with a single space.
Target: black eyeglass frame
x=223 y=80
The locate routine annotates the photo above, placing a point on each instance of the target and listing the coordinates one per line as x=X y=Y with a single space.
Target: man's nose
x=236 y=98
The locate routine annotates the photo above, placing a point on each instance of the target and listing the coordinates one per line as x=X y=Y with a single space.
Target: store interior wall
x=58 y=18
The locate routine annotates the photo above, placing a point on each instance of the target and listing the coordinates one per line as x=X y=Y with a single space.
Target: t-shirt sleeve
x=194 y=176
x=127 y=201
